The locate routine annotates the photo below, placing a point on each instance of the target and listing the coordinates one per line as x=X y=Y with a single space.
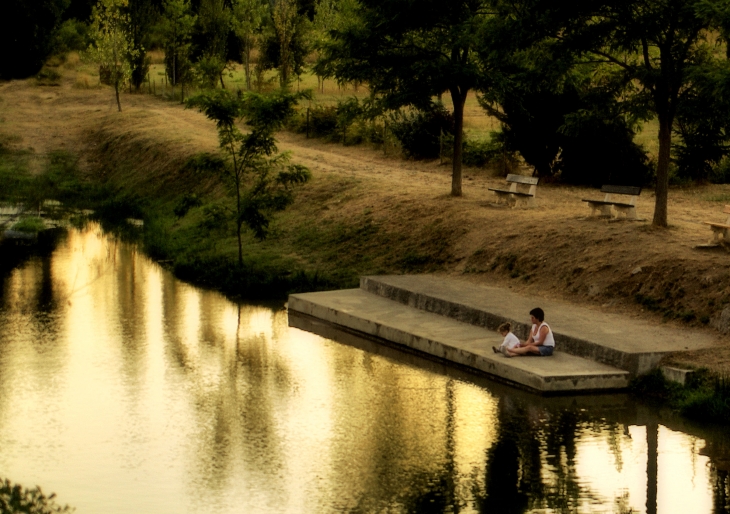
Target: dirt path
x=554 y=250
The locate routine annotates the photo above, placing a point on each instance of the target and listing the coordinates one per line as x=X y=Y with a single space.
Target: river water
x=125 y=390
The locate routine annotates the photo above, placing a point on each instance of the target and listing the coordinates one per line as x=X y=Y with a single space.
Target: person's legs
x=524 y=350
x=546 y=351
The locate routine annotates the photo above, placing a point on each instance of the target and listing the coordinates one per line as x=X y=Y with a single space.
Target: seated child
x=510 y=340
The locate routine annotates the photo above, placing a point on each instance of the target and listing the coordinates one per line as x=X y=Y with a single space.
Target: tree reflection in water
x=249 y=414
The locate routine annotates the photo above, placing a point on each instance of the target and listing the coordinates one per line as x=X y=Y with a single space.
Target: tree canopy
x=409 y=52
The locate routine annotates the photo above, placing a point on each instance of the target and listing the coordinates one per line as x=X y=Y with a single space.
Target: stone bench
x=625 y=204
x=521 y=189
x=720 y=231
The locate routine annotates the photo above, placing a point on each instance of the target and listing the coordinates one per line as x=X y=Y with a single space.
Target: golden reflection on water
x=125 y=390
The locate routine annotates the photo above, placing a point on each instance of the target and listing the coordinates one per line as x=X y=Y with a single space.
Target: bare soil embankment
x=367 y=213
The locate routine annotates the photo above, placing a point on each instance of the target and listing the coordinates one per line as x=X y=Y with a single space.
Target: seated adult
x=540 y=342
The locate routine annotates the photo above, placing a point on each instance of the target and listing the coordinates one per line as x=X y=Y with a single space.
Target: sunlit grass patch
x=30 y=224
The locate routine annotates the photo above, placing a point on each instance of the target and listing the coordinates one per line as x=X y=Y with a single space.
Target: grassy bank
x=182 y=204
x=705 y=396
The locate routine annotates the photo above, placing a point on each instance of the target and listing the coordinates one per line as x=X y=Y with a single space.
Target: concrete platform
x=454 y=341
x=633 y=345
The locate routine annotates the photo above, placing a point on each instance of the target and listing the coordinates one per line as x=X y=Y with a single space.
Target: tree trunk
x=458 y=98
x=247 y=66
x=240 y=244
x=116 y=91
x=662 y=170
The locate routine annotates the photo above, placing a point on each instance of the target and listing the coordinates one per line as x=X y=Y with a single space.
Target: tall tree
x=285 y=16
x=112 y=45
x=655 y=44
x=329 y=15
x=248 y=19
x=408 y=52
x=259 y=177
x=213 y=27
x=176 y=28
x=142 y=15
x=557 y=109
x=658 y=43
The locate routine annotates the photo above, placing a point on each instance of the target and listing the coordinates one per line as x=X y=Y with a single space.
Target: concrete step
x=626 y=343
x=454 y=341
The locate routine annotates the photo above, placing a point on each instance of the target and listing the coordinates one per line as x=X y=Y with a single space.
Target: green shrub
x=704 y=397
x=72 y=35
x=257 y=278
x=721 y=172
x=709 y=400
x=480 y=153
x=419 y=132
x=323 y=121
x=204 y=163
x=187 y=202
x=29 y=224
x=48 y=77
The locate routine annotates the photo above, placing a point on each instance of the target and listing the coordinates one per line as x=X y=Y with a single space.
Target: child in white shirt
x=510 y=340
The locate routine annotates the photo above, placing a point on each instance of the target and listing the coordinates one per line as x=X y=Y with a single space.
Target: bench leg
x=502 y=198
x=628 y=213
x=601 y=211
x=716 y=233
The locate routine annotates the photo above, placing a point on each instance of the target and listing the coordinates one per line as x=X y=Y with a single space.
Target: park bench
x=625 y=204
x=720 y=231
x=521 y=188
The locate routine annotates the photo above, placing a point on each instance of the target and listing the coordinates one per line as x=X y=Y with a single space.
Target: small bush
x=187 y=202
x=72 y=35
x=480 y=153
x=348 y=121
x=48 y=77
x=721 y=172
x=204 y=163
x=83 y=82
x=322 y=121
x=30 y=224
x=709 y=400
x=419 y=132
x=704 y=397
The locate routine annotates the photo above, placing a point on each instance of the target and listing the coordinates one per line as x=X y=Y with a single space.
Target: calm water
x=126 y=391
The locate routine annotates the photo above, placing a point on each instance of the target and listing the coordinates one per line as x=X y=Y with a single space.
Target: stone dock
x=455 y=321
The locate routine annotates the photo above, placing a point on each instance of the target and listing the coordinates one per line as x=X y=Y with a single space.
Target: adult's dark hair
x=538 y=313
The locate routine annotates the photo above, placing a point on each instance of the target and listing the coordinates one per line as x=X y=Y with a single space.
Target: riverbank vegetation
x=704 y=397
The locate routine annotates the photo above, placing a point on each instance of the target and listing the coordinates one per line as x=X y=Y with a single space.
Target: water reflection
x=124 y=390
